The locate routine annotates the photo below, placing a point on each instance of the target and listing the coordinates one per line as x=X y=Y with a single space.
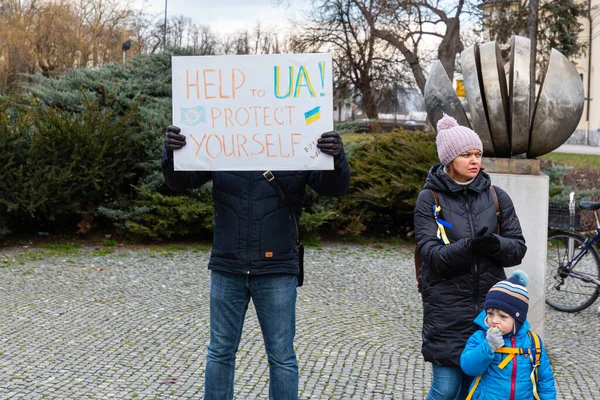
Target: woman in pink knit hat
x=467 y=232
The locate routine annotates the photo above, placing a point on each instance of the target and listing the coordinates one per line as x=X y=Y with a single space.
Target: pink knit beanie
x=453 y=139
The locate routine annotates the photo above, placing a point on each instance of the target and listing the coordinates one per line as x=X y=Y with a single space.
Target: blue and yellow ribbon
x=441 y=231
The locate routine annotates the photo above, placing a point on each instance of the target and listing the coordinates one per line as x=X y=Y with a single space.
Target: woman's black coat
x=455 y=280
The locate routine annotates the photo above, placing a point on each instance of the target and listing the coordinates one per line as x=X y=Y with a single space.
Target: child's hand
x=494 y=338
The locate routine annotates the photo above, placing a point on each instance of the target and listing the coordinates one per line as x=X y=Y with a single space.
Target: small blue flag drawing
x=193 y=116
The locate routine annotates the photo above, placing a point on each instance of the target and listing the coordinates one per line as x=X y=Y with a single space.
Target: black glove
x=331 y=143
x=483 y=244
x=174 y=140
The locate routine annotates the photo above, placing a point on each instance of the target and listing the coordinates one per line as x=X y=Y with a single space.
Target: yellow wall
x=583 y=66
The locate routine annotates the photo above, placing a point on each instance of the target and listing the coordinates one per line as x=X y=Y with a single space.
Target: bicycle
x=573 y=266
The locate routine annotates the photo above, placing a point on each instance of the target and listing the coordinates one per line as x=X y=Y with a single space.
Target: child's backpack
x=436 y=210
x=534 y=353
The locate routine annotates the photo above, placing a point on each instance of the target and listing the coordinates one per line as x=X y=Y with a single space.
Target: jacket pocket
x=278 y=236
x=226 y=235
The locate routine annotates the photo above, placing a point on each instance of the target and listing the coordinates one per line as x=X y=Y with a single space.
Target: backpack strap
x=495 y=196
x=512 y=352
x=472 y=391
x=435 y=198
x=268 y=175
x=535 y=354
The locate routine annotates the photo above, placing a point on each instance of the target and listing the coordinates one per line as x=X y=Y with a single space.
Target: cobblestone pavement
x=133 y=324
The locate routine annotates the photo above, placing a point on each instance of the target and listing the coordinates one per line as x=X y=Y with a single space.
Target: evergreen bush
x=57 y=118
x=387 y=175
x=357 y=126
x=144 y=84
x=157 y=216
x=59 y=165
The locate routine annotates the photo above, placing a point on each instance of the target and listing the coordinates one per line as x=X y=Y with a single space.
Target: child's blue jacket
x=478 y=359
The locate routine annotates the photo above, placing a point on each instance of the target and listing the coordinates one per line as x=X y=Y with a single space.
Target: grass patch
x=355 y=239
x=201 y=247
x=102 y=252
x=172 y=248
x=60 y=247
x=168 y=250
x=311 y=241
x=23 y=258
x=574 y=160
x=32 y=255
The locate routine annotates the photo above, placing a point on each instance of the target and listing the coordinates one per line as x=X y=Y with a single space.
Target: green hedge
x=58 y=165
x=387 y=175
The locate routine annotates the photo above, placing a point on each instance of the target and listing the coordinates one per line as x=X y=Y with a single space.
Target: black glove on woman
x=482 y=245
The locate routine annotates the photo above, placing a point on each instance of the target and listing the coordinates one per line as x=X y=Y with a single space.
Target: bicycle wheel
x=565 y=292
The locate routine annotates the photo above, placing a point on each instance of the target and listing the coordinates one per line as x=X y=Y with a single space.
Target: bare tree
x=103 y=27
x=142 y=33
x=16 y=55
x=203 y=40
x=405 y=24
x=54 y=39
x=266 y=41
x=177 y=28
x=242 y=43
x=360 y=62
x=52 y=36
x=259 y=41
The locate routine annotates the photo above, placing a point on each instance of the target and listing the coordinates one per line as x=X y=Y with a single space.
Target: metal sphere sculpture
x=499 y=110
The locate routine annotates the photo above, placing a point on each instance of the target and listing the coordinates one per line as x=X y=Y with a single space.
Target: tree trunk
x=369 y=104
x=451 y=45
x=411 y=58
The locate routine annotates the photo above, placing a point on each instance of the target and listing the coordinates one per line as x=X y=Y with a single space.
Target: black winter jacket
x=455 y=280
x=253 y=231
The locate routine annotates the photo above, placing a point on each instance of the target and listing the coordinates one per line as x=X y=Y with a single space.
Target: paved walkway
x=578 y=149
x=134 y=325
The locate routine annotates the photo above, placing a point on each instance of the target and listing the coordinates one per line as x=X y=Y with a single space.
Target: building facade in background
x=588 y=130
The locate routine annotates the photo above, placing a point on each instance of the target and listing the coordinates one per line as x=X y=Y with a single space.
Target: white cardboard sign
x=252 y=112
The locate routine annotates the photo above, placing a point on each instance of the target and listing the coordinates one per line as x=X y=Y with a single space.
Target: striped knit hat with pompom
x=453 y=139
x=510 y=296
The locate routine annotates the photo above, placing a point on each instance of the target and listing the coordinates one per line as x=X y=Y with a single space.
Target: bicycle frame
x=573 y=260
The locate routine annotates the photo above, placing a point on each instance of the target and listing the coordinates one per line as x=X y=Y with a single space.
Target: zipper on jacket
x=249 y=243
x=475 y=267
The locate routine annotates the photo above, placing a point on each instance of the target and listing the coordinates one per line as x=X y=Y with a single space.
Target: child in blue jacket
x=487 y=355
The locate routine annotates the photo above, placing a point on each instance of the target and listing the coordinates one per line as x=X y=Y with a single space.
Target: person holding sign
x=255 y=256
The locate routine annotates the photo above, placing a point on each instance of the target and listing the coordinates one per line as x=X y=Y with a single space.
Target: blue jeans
x=274 y=298
x=449 y=383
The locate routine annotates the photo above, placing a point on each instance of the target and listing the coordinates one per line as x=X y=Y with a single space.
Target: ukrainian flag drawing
x=312 y=115
x=193 y=116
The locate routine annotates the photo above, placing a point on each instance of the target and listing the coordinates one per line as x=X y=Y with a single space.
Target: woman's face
x=465 y=166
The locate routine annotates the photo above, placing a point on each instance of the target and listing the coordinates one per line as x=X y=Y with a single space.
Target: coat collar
x=440 y=181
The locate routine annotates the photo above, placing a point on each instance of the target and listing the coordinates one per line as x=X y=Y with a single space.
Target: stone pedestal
x=529 y=194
